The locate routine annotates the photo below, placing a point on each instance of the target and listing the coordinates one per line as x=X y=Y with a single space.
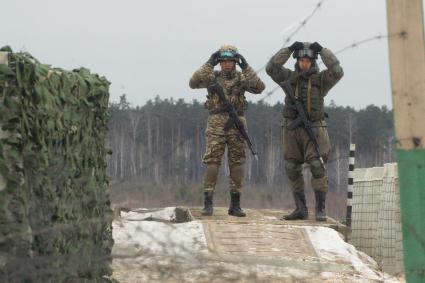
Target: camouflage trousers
x=216 y=141
x=298 y=148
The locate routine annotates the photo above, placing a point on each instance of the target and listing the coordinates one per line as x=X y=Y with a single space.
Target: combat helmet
x=305 y=52
x=228 y=52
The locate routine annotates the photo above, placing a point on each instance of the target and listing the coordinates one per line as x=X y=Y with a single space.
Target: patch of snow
x=147 y=248
x=331 y=247
x=327 y=274
x=151 y=237
x=165 y=214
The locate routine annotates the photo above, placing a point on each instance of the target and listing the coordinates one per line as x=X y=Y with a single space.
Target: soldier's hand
x=214 y=59
x=241 y=61
x=316 y=47
x=296 y=46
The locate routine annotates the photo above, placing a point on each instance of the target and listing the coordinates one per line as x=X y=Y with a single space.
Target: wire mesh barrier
x=376 y=222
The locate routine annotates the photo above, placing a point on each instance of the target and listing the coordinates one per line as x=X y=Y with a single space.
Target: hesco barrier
x=376 y=222
x=55 y=216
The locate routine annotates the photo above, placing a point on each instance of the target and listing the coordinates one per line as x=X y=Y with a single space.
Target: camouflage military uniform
x=234 y=85
x=311 y=91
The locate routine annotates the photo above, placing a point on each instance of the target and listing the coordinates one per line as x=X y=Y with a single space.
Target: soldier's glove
x=214 y=59
x=316 y=47
x=241 y=61
x=296 y=46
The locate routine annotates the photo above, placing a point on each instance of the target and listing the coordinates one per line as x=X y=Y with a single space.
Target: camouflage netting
x=55 y=217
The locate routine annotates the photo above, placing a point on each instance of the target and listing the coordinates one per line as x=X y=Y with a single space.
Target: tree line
x=163 y=141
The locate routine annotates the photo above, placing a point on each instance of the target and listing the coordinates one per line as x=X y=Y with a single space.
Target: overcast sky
x=148 y=48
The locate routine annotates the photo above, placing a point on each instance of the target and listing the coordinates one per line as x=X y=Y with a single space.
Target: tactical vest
x=233 y=90
x=309 y=92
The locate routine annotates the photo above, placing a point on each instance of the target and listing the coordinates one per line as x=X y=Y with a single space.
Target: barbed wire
x=269 y=93
x=355 y=44
x=301 y=24
x=402 y=34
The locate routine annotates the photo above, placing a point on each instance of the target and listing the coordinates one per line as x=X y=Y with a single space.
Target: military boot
x=300 y=211
x=320 y=206
x=235 y=205
x=208 y=204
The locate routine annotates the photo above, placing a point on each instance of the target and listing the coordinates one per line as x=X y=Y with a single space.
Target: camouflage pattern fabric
x=297 y=144
x=228 y=47
x=234 y=84
x=55 y=217
x=298 y=148
x=217 y=139
x=320 y=82
x=311 y=91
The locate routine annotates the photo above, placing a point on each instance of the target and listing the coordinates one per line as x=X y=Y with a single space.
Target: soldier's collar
x=228 y=75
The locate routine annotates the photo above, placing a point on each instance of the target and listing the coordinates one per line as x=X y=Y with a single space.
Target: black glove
x=316 y=47
x=241 y=61
x=214 y=58
x=296 y=46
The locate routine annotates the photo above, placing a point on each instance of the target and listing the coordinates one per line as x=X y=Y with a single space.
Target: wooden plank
x=407 y=61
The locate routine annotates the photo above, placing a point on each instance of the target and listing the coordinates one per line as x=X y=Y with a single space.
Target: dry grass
x=136 y=194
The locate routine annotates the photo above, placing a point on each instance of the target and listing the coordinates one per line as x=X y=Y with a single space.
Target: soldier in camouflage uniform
x=310 y=88
x=234 y=84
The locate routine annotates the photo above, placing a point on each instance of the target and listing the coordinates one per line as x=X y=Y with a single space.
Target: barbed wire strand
x=355 y=44
x=301 y=24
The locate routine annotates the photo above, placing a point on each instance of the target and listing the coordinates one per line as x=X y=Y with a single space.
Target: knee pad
x=237 y=174
x=317 y=170
x=293 y=169
x=210 y=177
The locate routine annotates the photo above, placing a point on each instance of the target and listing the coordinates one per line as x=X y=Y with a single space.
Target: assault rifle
x=302 y=119
x=233 y=116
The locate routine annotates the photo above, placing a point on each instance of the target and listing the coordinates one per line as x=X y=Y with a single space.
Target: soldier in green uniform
x=235 y=83
x=311 y=86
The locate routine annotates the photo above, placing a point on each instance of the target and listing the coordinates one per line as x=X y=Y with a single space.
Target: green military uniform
x=310 y=89
x=235 y=84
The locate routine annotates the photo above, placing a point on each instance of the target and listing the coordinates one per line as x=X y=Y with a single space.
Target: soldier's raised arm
x=334 y=71
x=275 y=68
x=204 y=76
x=250 y=80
